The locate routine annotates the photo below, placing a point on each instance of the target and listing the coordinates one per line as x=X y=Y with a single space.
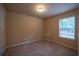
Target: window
x=67 y=27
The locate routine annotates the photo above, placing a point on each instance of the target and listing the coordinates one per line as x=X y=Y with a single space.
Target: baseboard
x=22 y=43
x=62 y=44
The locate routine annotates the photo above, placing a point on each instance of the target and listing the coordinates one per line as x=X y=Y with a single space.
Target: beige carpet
x=39 y=48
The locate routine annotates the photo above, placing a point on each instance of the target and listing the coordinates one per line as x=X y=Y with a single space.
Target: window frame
x=74 y=28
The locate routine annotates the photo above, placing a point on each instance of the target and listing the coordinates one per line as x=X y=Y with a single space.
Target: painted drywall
x=22 y=28
x=2 y=29
x=52 y=30
x=78 y=35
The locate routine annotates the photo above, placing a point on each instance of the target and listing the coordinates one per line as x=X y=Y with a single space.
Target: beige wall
x=52 y=29
x=22 y=28
x=78 y=34
x=2 y=29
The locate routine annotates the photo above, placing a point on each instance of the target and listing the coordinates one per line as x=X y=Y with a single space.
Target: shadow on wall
x=2 y=29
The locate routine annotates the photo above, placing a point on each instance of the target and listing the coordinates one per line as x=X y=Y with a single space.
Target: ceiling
x=51 y=9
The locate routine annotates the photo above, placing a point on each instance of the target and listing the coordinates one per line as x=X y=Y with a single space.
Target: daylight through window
x=67 y=27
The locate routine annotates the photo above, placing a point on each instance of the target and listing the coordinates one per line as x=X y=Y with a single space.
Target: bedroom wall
x=78 y=33
x=2 y=29
x=22 y=28
x=52 y=30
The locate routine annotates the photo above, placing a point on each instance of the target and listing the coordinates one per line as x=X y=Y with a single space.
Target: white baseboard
x=22 y=43
x=62 y=44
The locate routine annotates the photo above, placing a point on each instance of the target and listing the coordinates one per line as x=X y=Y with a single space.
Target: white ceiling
x=51 y=8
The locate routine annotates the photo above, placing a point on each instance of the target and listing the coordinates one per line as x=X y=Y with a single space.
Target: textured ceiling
x=51 y=8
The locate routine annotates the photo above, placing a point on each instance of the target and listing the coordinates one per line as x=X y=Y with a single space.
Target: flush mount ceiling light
x=40 y=8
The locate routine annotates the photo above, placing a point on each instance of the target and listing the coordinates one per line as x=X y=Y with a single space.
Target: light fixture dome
x=40 y=8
